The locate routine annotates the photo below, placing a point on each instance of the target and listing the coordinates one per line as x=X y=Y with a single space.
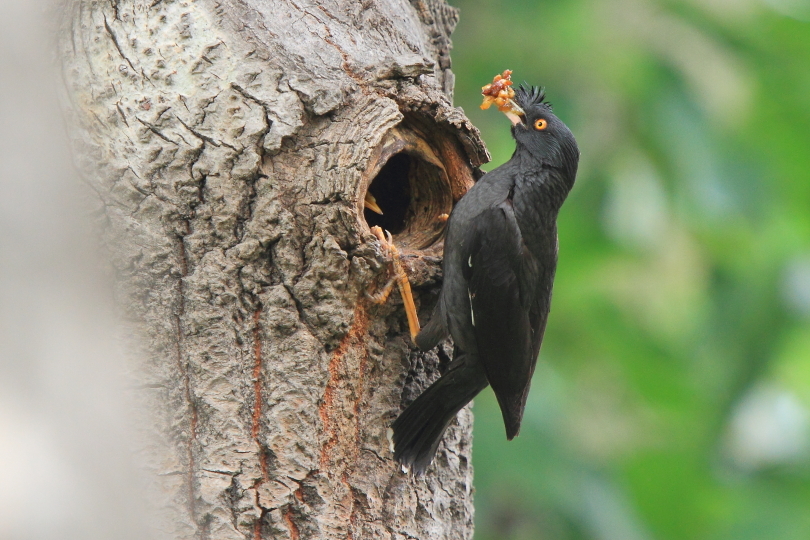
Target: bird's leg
x=405 y=290
x=400 y=278
x=382 y=295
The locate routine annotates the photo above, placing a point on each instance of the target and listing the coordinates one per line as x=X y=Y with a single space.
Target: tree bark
x=232 y=143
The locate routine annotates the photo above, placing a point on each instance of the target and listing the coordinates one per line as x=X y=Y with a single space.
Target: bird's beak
x=515 y=119
x=371 y=203
x=515 y=114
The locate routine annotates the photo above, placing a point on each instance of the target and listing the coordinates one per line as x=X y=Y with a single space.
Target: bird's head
x=540 y=133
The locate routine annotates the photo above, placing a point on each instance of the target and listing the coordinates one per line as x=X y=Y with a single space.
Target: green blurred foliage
x=672 y=396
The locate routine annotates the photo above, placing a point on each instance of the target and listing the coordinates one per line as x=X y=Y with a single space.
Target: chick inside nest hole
x=412 y=188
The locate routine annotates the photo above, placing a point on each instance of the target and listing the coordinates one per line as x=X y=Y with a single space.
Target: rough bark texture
x=232 y=143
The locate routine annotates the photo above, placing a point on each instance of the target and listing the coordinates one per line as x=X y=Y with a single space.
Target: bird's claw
x=400 y=278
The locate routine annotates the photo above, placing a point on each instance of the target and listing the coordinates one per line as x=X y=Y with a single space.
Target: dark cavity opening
x=414 y=194
x=392 y=190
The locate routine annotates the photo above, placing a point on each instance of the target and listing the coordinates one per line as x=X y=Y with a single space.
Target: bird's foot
x=382 y=295
x=400 y=278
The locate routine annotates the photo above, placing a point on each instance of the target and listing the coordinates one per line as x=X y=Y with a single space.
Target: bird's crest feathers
x=528 y=96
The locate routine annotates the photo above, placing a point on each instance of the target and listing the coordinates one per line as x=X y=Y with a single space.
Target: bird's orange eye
x=540 y=124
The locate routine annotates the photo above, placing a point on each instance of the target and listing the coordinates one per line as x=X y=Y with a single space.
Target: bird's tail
x=419 y=429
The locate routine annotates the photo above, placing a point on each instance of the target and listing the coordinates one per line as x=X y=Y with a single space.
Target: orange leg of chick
x=400 y=278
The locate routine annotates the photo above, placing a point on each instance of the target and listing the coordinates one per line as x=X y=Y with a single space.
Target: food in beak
x=500 y=92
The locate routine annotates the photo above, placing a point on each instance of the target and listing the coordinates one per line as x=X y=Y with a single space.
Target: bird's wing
x=502 y=316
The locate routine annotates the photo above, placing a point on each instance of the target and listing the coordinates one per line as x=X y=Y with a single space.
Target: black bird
x=500 y=255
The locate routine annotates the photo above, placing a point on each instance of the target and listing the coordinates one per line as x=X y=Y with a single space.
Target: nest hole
x=415 y=180
x=414 y=196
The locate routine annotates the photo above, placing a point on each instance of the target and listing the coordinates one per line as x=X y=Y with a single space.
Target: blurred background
x=672 y=396
x=65 y=442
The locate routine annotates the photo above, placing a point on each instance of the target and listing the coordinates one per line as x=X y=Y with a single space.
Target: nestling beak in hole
x=371 y=203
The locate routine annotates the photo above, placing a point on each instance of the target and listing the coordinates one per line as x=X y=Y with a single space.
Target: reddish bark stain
x=294 y=533
x=257 y=374
x=340 y=409
x=257 y=413
x=330 y=411
x=257 y=529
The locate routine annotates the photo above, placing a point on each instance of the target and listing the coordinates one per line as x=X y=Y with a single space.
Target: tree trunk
x=232 y=143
